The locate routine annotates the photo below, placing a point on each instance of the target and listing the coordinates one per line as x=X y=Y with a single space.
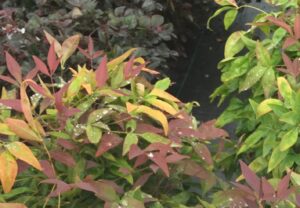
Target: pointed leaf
x=154 y=114
x=297 y=26
x=163 y=94
x=280 y=23
x=264 y=107
x=253 y=76
x=52 y=40
x=276 y=157
x=52 y=61
x=22 y=130
x=102 y=73
x=234 y=44
x=13 y=67
x=94 y=134
x=159 y=160
x=130 y=139
x=289 y=139
x=283 y=187
x=115 y=62
x=108 y=142
x=22 y=152
x=40 y=65
x=12 y=103
x=9 y=80
x=68 y=48
x=267 y=189
x=8 y=171
x=250 y=177
x=263 y=55
x=12 y=205
x=164 y=106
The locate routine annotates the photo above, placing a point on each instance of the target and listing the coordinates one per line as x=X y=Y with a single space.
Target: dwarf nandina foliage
x=97 y=137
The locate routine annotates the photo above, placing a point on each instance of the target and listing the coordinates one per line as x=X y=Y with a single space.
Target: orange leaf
x=68 y=48
x=162 y=105
x=154 y=114
x=25 y=104
x=164 y=95
x=8 y=171
x=22 y=129
x=52 y=40
x=22 y=152
x=12 y=205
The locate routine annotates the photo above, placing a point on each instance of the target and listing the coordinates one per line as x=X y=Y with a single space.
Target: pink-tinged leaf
x=243 y=188
x=134 y=151
x=193 y=169
x=63 y=157
x=97 y=54
x=91 y=45
x=251 y=178
x=102 y=73
x=142 y=180
x=208 y=131
x=159 y=160
x=297 y=26
x=108 y=142
x=283 y=187
x=287 y=61
x=40 y=65
x=288 y=42
x=175 y=157
x=267 y=190
x=13 y=67
x=48 y=170
x=203 y=152
x=9 y=80
x=280 y=23
x=154 y=168
x=69 y=145
x=52 y=61
x=84 y=52
x=12 y=205
x=37 y=88
x=61 y=187
x=137 y=70
x=144 y=128
x=12 y=103
x=32 y=73
x=22 y=166
x=91 y=164
x=298 y=200
x=129 y=67
x=141 y=159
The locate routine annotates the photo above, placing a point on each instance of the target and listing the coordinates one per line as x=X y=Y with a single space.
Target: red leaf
x=84 y=52
x=288 y=42
x=175 y=157
x=141 y=159
x=61 y=187
x=40 y=65
x=13 y=67
x=52 y=61
x=141 y=180
x=203 y=152
x=97 y=54
x=48 y=169
x=108 y=142
x=243 y=188
x=250 y=177
x=283 y=187
x=280 y=23
x=134 y=151
x=159 y=160
x=297 y=26
x=9 y=79
x=267 y=190
x=13 y=103
x=67 y=144
x=102 y=73
x=31 y=74
x=39 y=89
x=208 y=131
x=91 y=45
x=129 y=67
x=143 y=128
x=63 y=157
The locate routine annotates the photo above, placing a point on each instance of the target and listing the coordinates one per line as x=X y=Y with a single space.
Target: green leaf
x=157 y=20
x=278 y=35
x=289 y=139
x=234 y=44
x=264 y=107
x=155 y=138
x=74 y=87
x=249 y=43
x=263 y=55
x=268 y=81
x=253 y=76
x=219 y=11
x=163 y=84
x=93 y=133
x=230 y=17
x=258 y=164
x=130 y=139
x=251 y=140
x=276 y=158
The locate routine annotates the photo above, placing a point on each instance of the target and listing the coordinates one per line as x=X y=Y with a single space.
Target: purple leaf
x=40 y=65
x=108 y=142
x=251 y=177
x=13 y=103
x=102 y=73
x=13 y=67
x=63 y=157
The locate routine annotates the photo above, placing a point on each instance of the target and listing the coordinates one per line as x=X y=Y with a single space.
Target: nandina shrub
x=104 y=137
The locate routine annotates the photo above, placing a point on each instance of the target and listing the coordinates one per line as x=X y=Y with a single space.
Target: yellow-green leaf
x=264 y=107
x=4 y=129
x=163 y=94
x=22 y=129
x=115 y=62
x=130 y=139
x=284 y=88
x=234 y=44
x=93 y=133
x=68 y=47
x=263 y=55
x=276 y=158
x=154 y=114
x=8 y=171
x=22 y=152
x=164 y=106
x=289 y=139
